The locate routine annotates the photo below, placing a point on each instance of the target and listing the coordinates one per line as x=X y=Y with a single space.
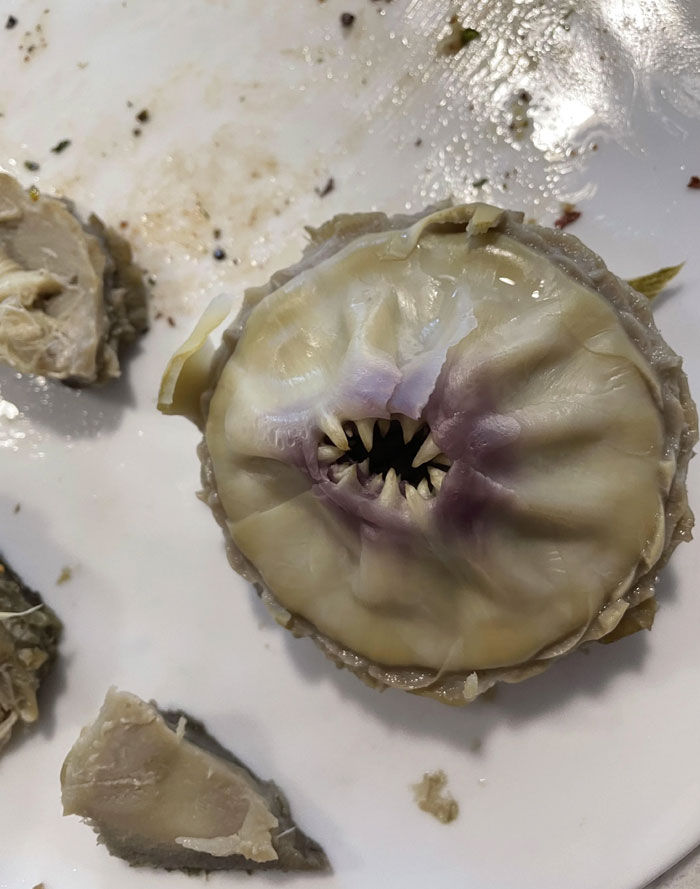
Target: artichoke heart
x=449 y=447
x=70 y=295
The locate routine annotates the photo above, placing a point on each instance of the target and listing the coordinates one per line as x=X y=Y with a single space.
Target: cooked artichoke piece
x=450 y=448
x=29 y=636
x=70 y=295
x=160 y=791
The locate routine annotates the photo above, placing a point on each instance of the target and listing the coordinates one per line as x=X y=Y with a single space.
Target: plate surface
x=586 y=777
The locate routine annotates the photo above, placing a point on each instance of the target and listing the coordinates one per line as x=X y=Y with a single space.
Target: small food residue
x=11 y=22
x=520 y=122
x=694 y=182
x=219 y=254
x=65 y=575
x=32 y=166
x=327 y=188
x=347 y=19
x=652 y=284
x=61 y=146
x=458 y=38
x=479 y=183
x=143 y=116
x=431 y=796
x=569 y=214
x=17 y=508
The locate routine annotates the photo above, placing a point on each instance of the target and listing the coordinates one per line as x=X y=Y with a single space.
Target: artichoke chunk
x=450 y=448
x=29 y=636
x=70 y=295
x=160 y=791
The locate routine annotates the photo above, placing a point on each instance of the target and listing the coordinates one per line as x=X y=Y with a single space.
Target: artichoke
x=450 y=448
x=160 y=791
x=29 y=637
x=70 y=295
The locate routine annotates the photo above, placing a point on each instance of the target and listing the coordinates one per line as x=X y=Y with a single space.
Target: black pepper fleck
x=327 y=188
x=11 y=22
x=32 y=166
x=347 y=20
x=143 y=116
x=217 y=233
x=61 y=146
x=219 y=254
x=136 y=131
x=418 y=142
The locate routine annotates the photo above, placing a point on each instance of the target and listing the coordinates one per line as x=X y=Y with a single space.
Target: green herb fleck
x=479 y=183
x=34 y=193
x=466 y=35
x=32 y=166
x=458 y=38
x=61 y=146
x=651 y=285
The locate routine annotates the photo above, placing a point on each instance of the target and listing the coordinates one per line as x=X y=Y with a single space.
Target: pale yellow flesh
x=51 y=286
x=133 y=776
x=589 y=477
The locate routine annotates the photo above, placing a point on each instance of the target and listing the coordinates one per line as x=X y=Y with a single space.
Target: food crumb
x=694 y=182
x=458 y=38
x=327 y=188
x=171 y=321
x=480 y=183
x=65 y=575
x=431 y=797
x=143 y=116
x=569 y=214
x=11 y=22
x=61 y=146
x=32 y=166
x=219 y=254
x=347 y=19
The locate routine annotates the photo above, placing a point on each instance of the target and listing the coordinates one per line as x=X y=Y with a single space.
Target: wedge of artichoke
x=449 y=448
x=70 y=295
x=160 y=791
x=29 y=636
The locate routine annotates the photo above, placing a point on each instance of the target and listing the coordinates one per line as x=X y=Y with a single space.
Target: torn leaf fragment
x=432 y=797
x=160 y=791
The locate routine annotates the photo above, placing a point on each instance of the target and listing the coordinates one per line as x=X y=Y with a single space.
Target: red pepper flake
x=569 y=214
x=694 y=182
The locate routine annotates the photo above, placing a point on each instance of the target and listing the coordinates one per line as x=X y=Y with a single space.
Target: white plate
x=587 y=777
